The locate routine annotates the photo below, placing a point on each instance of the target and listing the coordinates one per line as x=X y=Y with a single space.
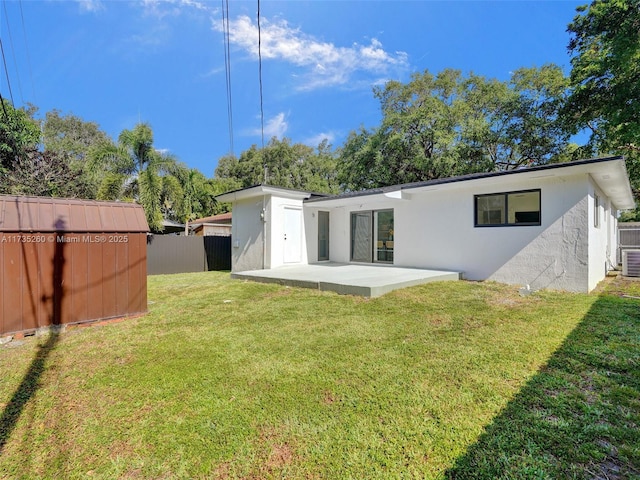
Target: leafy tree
x=219 y=186
x=448 y=124
x=605 y=79
x=43 y=174
x=71 y=136
x=605 y=75
x=19 y=133
x=287 y=165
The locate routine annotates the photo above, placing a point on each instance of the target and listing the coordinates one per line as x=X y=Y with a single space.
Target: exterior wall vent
x=631 y=263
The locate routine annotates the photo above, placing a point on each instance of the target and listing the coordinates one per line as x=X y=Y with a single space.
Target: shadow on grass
x=579 y=416
x=53 y=303
x=27 y=388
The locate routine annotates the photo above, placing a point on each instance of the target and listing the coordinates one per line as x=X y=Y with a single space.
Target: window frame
x=506 y=209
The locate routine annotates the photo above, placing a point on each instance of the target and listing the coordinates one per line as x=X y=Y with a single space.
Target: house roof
x=44 y=214
x=261 y=190
x=609 y=173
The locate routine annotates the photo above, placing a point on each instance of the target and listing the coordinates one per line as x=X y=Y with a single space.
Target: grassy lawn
x=226 y=379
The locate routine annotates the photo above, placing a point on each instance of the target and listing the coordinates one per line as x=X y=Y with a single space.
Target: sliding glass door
x=372 y=236
x=384 y=235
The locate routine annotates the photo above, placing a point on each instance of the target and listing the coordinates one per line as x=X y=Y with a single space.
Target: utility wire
x=13 y=50
x=4 y=61
x=227 y=67
x=26 y=44
x=266 y=170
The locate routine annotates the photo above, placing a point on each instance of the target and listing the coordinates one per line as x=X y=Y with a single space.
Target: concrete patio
x=347 y=279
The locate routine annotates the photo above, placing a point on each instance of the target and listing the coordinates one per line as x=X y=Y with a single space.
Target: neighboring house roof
x=609 y=173
x=171 y=226
x=45 y=214
x=260 y=190
x=220 y=218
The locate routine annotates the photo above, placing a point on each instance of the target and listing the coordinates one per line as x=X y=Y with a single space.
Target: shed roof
x=44 y=214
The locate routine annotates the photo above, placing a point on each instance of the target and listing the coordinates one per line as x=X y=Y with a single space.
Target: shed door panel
x=12 y=304
x=80 y=278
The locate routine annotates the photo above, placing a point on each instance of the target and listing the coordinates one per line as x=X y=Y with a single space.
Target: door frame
x=325 y=214
x=285 y=227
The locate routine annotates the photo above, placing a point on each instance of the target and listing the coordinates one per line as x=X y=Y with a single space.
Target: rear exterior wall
x=435 y=229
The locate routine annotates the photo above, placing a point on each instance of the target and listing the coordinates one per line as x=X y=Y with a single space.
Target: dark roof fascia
x=464 y=178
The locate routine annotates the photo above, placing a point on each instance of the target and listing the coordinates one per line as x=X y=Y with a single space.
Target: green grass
x=227 y=379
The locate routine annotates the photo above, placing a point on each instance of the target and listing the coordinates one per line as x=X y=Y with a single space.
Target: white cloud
x=317 y=139
x=274 y=127
x=91 y=6
x=164 y=8
x=323 y=63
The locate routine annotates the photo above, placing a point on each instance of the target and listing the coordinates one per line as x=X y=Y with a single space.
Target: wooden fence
x=180 y=254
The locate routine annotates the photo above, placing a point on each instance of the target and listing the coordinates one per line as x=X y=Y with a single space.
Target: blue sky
x=162 y=62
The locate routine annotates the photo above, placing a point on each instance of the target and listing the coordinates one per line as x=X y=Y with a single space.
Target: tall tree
x=448 y=124
x=73 y=138
x=45 y=174
x=70 y=135
x=19 y=133
x=187 y=194
x=287 y=165
x=26 y=168
x=605 y=79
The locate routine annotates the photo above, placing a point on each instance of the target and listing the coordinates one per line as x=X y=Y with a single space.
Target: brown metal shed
x=66 y=261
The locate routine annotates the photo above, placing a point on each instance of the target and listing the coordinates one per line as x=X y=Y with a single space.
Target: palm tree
x=187 y=194
x=132 y=169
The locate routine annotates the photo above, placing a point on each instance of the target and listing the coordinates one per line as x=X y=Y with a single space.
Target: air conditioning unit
x=631 y=263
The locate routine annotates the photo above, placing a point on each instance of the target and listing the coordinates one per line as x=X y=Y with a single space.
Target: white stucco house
x=551 y=226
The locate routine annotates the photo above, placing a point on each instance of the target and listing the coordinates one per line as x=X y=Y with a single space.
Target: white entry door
x=292 y=235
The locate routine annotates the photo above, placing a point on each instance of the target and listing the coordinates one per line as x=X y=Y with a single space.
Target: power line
x=4 y=61
x=227 y=67
x=13 y=50
x=266 y=171
x=26 y=44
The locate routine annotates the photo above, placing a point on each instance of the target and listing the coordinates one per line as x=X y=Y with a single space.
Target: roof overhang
x=260 y=191
x=609 y=174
